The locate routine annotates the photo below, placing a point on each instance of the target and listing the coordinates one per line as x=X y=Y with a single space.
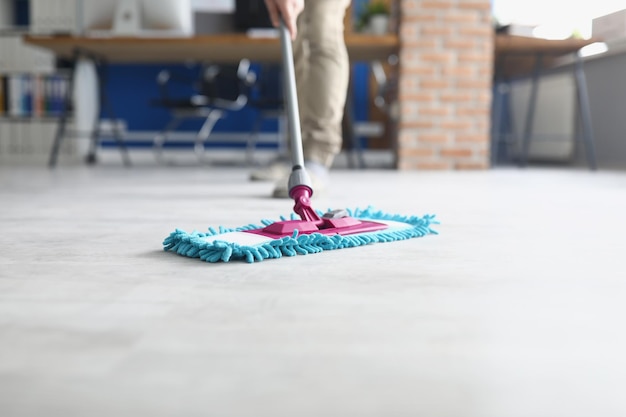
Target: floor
x=515 y=309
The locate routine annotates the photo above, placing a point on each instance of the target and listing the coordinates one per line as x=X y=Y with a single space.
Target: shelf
x=46 y=119
x=16 y=31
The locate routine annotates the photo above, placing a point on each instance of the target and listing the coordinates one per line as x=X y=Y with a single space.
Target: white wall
x=6 y=13
x=607 y=93
x=554 y=118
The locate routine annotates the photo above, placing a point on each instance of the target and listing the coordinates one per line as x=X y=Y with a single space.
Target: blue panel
x=360 y=80
x=132 y=88
x=22 y=13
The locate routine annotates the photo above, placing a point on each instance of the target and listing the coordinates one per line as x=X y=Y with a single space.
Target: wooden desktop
x=516 y=56
x=227 y=47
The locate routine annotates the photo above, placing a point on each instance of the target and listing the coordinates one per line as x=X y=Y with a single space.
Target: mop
x=306 y=230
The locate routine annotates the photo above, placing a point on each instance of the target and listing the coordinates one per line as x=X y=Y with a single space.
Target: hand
x=289 y=10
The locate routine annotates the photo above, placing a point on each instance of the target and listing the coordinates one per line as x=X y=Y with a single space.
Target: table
x=227 y=47
x=219 y=48
x=521 y=57
x=516 y=56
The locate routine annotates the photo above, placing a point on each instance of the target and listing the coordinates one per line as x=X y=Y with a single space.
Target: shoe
x=273 y=172
x=319 y=181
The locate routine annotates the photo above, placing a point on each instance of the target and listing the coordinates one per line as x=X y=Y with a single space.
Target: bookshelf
x=32 y=91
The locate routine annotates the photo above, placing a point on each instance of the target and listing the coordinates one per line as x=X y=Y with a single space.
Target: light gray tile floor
x=516 y=309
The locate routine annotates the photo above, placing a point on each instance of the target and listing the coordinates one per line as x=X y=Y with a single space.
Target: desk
x=520 y=56
x=228 y=47
x=223 y=48
x=516 y=56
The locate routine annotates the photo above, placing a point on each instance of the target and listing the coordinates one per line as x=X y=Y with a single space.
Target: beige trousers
x=322 y=75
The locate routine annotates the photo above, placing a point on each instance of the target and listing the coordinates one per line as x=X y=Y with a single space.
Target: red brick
x=433 y=138
x=473 y=138
x=466 y=166
x=417 y=152
x=416 y=124
x=423 y=97
x=434 y=165
x=456 y=152
x=457 y=125
x=437 y=4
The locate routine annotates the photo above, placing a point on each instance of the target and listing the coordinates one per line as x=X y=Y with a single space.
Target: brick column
x=444 y=92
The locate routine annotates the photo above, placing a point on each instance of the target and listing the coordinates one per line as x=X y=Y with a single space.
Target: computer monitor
x=155 y=17
x=251 y=14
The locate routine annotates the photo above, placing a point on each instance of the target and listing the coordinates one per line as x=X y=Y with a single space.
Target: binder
x=15 y=95
x=2 y=95
x=38 y=96
x=3 y=54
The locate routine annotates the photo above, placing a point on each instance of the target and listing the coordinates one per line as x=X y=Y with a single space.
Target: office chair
x=266 y=97
x=385 y=100
x=217 y=90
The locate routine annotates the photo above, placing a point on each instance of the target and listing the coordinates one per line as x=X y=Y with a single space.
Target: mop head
x=241 y=243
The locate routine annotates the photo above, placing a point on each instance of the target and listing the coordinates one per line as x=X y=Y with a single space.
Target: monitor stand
x=127 y=19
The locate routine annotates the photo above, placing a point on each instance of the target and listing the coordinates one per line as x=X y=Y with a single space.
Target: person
x=322 y=75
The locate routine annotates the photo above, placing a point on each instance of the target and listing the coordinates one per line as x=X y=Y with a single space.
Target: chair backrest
x=386 y=89
x=250 y=14
x=267 y=92
x=224 y=85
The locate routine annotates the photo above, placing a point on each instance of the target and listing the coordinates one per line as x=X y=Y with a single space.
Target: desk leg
x=62 y=124
x=501 y=92
x=530 y=114
x=585 y=111
x=105 y=104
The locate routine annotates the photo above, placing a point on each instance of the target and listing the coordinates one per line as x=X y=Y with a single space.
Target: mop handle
x=293 y=116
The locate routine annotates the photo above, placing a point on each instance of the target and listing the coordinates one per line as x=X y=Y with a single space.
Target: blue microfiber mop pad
x=224 y=244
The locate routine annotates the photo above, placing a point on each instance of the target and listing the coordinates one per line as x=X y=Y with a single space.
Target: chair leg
x=58 y=138
x=347 y=124
x=253 y=139
x=62 y=124
x=161 y=137
x=117 y=134
x=283 y=142
x=206 y=129
x=94 y=142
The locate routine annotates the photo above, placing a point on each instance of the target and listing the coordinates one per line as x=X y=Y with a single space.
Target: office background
x=132 y=87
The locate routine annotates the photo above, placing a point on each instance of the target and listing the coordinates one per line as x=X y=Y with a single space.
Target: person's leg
x=322 y=75
x=322 y=90
x=301 y=60
x=280 y=168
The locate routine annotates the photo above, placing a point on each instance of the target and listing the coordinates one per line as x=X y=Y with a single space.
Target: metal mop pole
x=299 y=176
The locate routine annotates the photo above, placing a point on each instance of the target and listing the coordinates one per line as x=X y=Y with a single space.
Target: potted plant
x=375 y=17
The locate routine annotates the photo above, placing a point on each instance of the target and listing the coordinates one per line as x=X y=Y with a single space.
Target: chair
x=267 y=98
x=385 y=100
x=217 y=90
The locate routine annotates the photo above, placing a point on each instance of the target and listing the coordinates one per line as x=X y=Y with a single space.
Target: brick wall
x=444 y=86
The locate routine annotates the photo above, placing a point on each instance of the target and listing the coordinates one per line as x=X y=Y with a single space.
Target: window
x=556 y=19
